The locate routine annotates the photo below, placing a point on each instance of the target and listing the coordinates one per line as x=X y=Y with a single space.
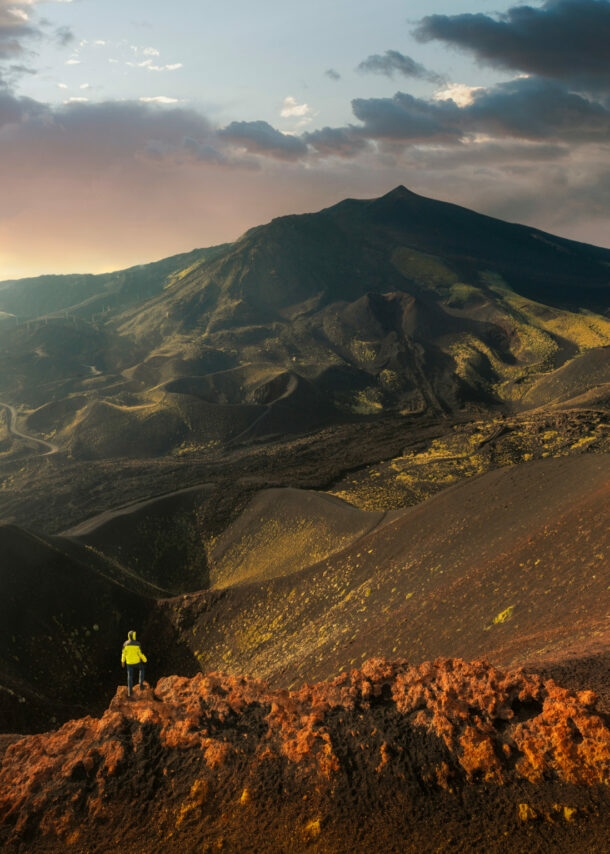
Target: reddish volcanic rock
x=399 y=757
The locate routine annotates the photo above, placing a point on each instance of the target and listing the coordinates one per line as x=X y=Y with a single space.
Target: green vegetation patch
x=428 y=271
x=471 y=449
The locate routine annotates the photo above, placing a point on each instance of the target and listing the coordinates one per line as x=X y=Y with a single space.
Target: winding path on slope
x=50 y=448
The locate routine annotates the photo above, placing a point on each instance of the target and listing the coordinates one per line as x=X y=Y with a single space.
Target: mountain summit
x=396 y=304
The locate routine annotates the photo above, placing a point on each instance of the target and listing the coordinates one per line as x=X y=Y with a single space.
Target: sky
x=131 y=131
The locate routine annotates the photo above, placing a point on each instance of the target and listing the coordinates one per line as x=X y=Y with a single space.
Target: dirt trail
x=51 y=448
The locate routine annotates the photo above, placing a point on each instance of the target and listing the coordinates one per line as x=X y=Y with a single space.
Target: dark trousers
x=131 y=670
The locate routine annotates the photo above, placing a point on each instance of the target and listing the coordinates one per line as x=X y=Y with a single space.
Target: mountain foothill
x=376 y=436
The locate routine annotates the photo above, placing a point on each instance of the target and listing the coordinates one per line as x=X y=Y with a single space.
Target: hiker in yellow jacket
x=132 y=657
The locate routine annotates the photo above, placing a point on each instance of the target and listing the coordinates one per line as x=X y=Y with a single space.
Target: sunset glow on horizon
x=130 y=132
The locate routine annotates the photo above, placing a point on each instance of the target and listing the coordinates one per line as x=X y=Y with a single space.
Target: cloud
x=64 y=36
x=531 y=149
x=409 y=119
x=159 y=99
x=94 y=136
x=526 y=108
x=174 y=66
x=17 y=111
x=205 y=152
x=393 y=62
x=148 y=65
x=536 y=109
x=19 y=14
x=566 y=40
x=12 y=73
x=484 y=153
x=15 y=28
x=458 y=92
x=260 y=137
x=291 y=108
x=337 y=142
x=82 y=137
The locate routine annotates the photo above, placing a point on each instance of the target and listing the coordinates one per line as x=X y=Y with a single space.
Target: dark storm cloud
x=536 y=109
x=340 y=142
x=563 y=39
x=14 y=111
x=129 y=123
x=527 y=108
x=332 y=74
x=404 y=117
x=261 y=138
x=85 y=138
x=84 y=135
x=392 y=62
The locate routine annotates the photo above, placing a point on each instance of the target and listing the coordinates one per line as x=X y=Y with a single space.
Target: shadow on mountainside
x=64 y=613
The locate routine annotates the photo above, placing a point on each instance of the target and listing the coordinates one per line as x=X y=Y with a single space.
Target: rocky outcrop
x=399 y=757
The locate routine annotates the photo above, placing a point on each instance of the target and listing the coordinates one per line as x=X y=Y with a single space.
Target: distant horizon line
x=119 y=268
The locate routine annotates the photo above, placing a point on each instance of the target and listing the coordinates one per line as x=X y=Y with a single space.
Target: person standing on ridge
x=132 y=657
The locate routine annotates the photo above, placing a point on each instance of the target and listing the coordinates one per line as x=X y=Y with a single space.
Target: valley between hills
x=349 y=478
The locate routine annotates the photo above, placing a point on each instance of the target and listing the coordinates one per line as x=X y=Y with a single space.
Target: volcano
x=349 y=479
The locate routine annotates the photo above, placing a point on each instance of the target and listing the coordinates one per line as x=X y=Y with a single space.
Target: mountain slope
x=398 y=304
x=509 y=565
x=283 y=530
x=394 y=293
x=353 y=248
x=498 y=566
x=86 y=295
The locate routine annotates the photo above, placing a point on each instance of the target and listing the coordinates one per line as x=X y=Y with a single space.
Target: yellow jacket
x=132 y=654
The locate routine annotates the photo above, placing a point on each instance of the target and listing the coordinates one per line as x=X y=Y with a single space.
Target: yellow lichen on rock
x=502 y=617
x=312 y=829
x=527 y=813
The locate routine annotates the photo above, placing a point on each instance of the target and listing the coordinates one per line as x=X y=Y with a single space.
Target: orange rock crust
x=475 y=726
